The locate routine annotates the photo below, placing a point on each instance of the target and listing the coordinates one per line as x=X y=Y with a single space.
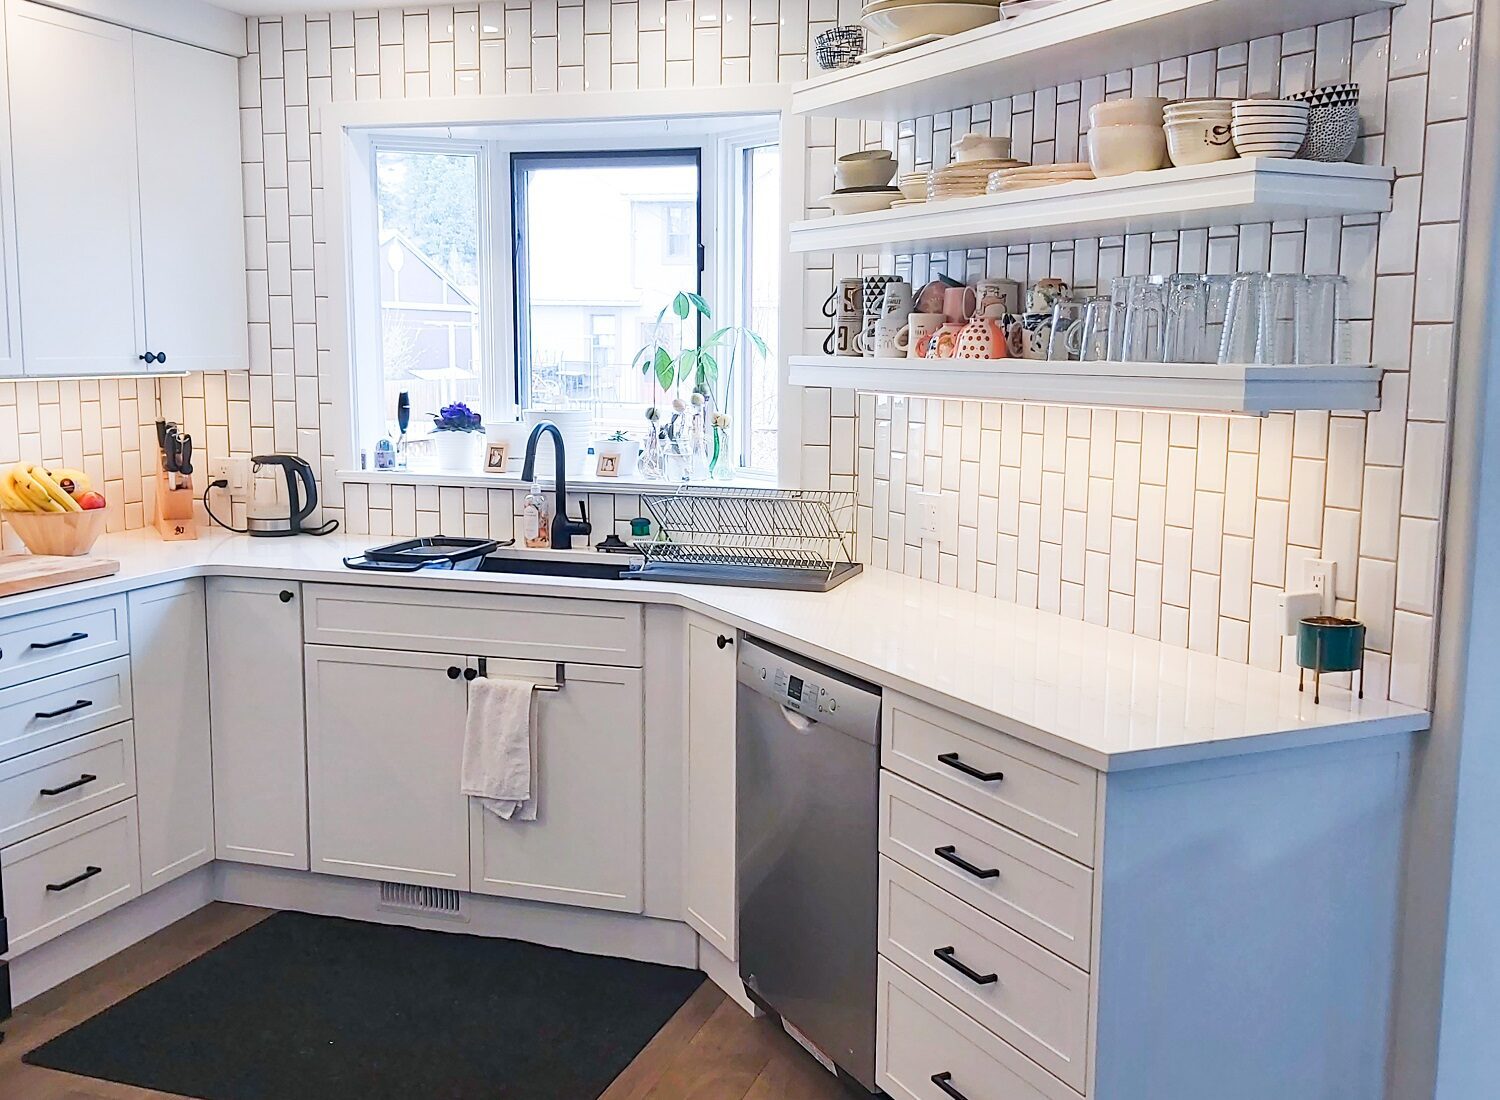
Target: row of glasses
x=1244 y=318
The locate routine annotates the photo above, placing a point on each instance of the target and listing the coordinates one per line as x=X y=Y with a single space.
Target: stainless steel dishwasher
x=807 y=788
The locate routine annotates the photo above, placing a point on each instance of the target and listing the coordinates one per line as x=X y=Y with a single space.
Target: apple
x=90 y=501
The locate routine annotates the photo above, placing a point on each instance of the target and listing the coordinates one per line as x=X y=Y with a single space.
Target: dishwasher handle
x=798 y=721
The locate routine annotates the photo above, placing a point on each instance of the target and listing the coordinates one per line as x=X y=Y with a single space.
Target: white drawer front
x=65 y=859
x=1044 y=896
x=55 y=785
x=50 y=711
x=45 y=642
x=1035 y=792
x=481 y=624
x=920 y=1036
x=1026 y=995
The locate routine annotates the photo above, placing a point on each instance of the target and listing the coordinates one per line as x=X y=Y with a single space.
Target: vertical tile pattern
x=1182 y=528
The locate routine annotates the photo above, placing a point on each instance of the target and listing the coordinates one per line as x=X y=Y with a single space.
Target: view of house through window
x=429 y=262
x=515 y=279
x=603 y=242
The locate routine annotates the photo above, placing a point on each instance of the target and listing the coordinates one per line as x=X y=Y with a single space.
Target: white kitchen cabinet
x=384 y=750
x=259 y=746
x=709 y=871
x=586 y=845
x=173 y=758
x=10 y=302
x=128 y=198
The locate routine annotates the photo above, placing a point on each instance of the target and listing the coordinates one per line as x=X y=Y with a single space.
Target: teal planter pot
x=1326 y=643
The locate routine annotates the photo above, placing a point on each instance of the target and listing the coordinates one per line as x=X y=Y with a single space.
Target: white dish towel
x=499 y=747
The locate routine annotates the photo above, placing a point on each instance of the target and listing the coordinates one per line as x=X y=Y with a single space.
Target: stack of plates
x=899 y=21
x=963 y=179
x=913 y=187
x=1037 y=175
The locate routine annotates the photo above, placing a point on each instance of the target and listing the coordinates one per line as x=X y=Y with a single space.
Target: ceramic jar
x=986 y=336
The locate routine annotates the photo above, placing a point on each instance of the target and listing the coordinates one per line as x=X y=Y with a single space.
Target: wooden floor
x=710 y=1050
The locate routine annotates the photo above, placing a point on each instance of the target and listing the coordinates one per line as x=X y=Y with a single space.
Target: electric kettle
x=272 y=514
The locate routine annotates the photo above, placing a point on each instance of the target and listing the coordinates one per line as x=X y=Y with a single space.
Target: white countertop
x=1102 y=697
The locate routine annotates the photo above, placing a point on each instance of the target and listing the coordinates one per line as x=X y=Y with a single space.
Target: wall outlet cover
x=929 y=515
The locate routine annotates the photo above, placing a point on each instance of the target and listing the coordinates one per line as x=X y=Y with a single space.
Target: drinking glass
x=1241 y=334
x=1143 y=338
x=1323 y=321
x=1187 y=320
x=1094 y=333
x=1281 y=295
x=1067 y=323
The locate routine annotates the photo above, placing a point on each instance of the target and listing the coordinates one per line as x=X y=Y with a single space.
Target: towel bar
x=561 y=676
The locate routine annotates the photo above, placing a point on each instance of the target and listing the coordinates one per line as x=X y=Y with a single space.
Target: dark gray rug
x=303 y=1006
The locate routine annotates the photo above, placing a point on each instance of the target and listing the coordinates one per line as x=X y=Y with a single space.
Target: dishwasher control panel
x=818 y=693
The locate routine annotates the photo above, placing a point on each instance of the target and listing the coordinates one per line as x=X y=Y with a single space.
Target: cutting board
x=28 y=572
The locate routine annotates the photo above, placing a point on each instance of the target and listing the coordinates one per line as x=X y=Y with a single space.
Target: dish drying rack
x=793 y=539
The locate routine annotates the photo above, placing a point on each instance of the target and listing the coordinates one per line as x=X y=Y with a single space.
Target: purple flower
x=457 y=417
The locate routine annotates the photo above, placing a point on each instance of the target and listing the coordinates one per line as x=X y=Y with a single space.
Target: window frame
x=519 y=162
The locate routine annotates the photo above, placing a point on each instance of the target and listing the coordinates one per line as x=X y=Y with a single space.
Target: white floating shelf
x=1232 y=192
x=1066 y=41
x=1179 y=387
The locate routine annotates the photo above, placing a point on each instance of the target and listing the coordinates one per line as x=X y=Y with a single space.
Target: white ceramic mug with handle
x=912 y=339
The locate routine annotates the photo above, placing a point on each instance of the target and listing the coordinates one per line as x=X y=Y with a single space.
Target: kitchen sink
x=557 y=567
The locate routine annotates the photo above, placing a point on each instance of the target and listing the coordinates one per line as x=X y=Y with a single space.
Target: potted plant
x=695 y=441
x=456 y=430
x=622 y=449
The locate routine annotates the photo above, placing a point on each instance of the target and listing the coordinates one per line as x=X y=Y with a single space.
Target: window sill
x=585 y=483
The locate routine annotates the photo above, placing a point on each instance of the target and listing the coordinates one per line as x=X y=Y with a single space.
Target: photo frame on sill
x=496 y=458
x=607 y=466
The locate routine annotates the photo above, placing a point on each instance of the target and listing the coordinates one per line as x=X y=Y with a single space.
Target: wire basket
x=776 y=529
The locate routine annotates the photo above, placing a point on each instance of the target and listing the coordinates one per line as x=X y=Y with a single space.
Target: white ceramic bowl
x=868 y=154
x=912 y=20
x=1127 y=112
x=868 y=172
x=915 y=188
x=1200 y=142
x=972 y=147
x=861 y=202
x=1120 y=150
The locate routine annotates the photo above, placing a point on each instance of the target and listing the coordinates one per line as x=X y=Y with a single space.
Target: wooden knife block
x=174 y=507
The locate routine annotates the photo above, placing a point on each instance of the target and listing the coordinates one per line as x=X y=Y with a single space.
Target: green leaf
x=700 y=303
x=708 y=371
x=665 y=369
x=760 y=345
x=680 y=306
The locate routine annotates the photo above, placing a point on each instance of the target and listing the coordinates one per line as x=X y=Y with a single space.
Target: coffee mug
x=918 y=331
x=959 y=303
x=897 y=300
x=844 y=337
x=847 y=299
x=998 y=292
x=943 y=343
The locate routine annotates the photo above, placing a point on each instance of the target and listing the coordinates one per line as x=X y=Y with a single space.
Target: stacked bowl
x=862 y=182
x=1126 y=135
x=898 y=21
x=1333 y=122
x=1200 y=131
x=1270 y=127
x=913 y=187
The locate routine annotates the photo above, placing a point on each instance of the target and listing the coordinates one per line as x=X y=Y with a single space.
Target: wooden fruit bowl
x=67 y=534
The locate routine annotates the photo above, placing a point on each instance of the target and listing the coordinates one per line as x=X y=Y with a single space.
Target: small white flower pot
x=458 y=451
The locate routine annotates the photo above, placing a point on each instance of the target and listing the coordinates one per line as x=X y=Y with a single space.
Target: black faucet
x=563 y=528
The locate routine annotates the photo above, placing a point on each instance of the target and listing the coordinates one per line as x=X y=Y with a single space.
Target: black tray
x=432 y=552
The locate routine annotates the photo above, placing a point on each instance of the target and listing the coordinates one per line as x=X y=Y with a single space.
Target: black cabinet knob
x=161 y=357
x=285 y=596
x=453 y=672
x=723 y=641
x=149 y=357
x=470 y=673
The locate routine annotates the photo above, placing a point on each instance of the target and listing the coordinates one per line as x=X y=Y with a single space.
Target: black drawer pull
x=952 y=760
x=82 y=781
x=950 y=853
x=470 y=673
x=941 y=1081
x=947 y=955
x=454 y=672
x=285 y=595
x=76 y=636
x=80 y=705
x=88 y=873
x=724 y=641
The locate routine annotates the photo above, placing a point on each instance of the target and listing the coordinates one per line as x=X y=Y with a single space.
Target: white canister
x=576 y=426
x=457 y=451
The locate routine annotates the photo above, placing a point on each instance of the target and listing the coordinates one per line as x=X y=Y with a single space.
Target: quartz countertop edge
x=1110 y=700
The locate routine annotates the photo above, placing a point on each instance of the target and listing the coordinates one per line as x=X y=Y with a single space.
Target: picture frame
x=496 y=458
x=607 y=466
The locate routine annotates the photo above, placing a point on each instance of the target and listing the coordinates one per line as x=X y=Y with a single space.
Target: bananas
x=27 y=487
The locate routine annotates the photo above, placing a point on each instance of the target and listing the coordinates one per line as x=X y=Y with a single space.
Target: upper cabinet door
x=76 y=197
x=10 y=304
x=192 y=206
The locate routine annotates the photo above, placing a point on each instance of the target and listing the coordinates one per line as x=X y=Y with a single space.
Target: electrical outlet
x=929 y=514
x=1320 y=577
x=234 y=471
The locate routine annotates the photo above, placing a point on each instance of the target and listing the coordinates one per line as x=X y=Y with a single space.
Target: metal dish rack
x=763 y=538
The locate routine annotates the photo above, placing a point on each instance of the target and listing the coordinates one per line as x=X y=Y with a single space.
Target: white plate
x=899 y=47
x=906 y=22
x=859 y=202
